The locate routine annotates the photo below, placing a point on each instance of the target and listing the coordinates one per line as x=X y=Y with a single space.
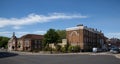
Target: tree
x=51 y=37
x=62 y=34
x=3 y=41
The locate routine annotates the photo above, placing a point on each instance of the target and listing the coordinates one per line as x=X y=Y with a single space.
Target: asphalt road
x=7 y=54
x=57 y=59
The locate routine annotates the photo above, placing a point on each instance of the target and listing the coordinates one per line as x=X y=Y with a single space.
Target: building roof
x=32 y=36
x=81 y=26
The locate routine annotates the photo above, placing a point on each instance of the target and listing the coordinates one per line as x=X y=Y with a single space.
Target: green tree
x=62 y=34
x=51 y=37
x=3 y=41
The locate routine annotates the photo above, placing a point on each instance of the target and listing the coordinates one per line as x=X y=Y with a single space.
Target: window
x=19 y=46
x=27 y=43
x=13 y=42
x=35 y=42
x=13 y=47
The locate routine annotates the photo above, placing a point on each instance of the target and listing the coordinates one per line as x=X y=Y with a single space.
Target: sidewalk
x=117 y=55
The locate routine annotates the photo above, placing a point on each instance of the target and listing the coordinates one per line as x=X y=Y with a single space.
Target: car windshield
x=114 y=49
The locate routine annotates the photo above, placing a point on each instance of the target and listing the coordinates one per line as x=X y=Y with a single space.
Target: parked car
x=114 y=50
x=119 y=49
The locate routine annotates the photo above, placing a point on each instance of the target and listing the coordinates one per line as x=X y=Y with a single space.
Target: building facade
x=113 y=43
x=85 y=37
x=27 y=42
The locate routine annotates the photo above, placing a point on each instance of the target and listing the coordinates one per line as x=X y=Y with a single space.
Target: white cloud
x=21 y=33
x=39 y=32
x=35 y=18
x=115 y=35
x=7 y=34
x=16 y=27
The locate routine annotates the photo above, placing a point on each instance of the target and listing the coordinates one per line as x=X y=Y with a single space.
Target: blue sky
x=37 y=16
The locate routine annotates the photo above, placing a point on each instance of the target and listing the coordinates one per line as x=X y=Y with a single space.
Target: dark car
x=114 y=50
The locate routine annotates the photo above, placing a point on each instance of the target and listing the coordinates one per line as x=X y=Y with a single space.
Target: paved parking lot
x=58 y=59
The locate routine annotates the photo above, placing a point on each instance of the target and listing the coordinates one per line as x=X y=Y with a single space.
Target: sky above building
x=37 y=16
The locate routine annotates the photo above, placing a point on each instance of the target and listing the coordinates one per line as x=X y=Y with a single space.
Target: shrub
x=74 y=49
x=58 y=48
x=70 y=49
x=63 y=49
x=47 y=48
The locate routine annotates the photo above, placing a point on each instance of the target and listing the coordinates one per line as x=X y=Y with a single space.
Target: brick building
x=113 y=42
x=85 y=37
x=27 y=42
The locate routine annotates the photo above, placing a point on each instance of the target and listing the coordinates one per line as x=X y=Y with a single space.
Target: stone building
x=85 y=37
x=12 y=43
x=27 y=42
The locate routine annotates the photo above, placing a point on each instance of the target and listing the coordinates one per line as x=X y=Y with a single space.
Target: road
x=57 y=59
